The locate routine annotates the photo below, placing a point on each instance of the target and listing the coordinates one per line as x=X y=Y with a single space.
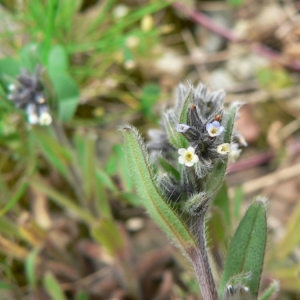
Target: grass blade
x=53 y=287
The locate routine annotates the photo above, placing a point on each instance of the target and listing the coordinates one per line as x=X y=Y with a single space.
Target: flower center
x=214 y=130
x=188 y=156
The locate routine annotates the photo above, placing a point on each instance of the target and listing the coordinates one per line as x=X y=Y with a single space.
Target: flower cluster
x=204 y=131
x=27 y=93
x=196 y=134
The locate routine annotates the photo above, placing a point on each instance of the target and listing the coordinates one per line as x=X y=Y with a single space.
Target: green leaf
x=67 y=94
x=247 y=249
x=230 y=120
x=4 y=285
x=271 y=291
x=102 y=200
x=130 y=198
x=86 y=154
x=30 y=267
x=58 y=156
x=106 y=180
x=57 y=60
x=82 y=296
x=53 y=287
x=63 y=201
x=151 y=196
x=111 y=165
x=9 y=68
x=8 y=227
x=108 y=235
x=50 y=15
x=236 y=3
x=15 y=198
x=123 y=168
x=29 y=57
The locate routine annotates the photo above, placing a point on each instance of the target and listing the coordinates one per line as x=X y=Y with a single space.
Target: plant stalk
x=200 y=261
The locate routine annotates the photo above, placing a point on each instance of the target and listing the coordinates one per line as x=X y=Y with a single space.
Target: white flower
x=187 y=156
x=234 y=152
x=33 y=119
x=120 y=11
x=32 y=116
x=45 y=119
x=223 y=148
x=182 y=127
x=214 y=128
x=12 y=87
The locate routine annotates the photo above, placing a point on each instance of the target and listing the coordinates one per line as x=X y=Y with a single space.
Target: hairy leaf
x=247 y=249
x=150 y=194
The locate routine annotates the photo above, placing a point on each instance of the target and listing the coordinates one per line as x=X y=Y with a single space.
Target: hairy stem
x=200 y=261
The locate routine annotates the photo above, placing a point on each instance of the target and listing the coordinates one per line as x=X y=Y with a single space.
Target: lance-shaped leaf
x=247 y=249
x=271 y=291
x=107 y=234
x=151 y=196
x=53 y=287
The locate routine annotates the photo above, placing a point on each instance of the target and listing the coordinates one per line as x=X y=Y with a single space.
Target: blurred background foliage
x=71 y=225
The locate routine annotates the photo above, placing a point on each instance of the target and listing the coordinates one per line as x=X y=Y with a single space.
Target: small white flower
x=12 y=87
x=182 y=127
x=214 y=128
x=33 y=119
x=187 y=156
x=132 y=41
x=223 y=148
x=120 y=11
x=45 y=119
x=32 y=116
x=234 y=152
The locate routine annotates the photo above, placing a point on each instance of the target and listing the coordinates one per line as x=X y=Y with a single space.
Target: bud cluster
x=27 y=93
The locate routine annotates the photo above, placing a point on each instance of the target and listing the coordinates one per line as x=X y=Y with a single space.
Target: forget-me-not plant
x=179 y=172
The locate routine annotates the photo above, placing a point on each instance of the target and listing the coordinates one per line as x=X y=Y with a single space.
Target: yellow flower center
x=188 y=156
x=214 y=130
